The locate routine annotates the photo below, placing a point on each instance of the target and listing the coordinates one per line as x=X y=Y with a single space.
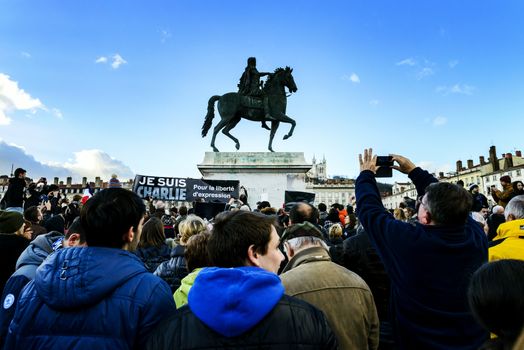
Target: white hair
x=498 y=209
x=478 y=218
x=300 y=243
x=515 y=207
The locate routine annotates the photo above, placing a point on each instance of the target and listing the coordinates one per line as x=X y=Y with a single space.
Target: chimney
x=493 y=158
x=470 y=163
x=508 y=161
x=69 y=180
x=98 y=183
x=459 y=165
x=482 y=160
x=61 y=184
x=518 y=154
x=440 y=174
x=55 y=180
x=84 y=182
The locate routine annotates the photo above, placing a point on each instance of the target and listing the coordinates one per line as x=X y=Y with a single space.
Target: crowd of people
x=115 y=271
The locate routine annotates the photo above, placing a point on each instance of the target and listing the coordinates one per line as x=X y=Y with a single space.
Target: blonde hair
x=399 y=214
x=190 y=226
x=335 y=231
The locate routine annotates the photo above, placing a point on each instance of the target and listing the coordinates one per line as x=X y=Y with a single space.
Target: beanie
x=10 y=221
x=472 y=186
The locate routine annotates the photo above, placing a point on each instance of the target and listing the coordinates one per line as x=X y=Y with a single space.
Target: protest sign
x=185 y=189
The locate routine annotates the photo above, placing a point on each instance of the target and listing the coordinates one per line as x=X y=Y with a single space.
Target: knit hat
x=10 y=221
x=506 y=179
x=305 y=229
x=472 y=186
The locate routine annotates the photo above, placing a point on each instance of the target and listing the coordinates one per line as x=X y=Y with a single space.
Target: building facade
x=484 y=174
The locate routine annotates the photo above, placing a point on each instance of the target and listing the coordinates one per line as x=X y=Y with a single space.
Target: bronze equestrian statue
x=254 y=103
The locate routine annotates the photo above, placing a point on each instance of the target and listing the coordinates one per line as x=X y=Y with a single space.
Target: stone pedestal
x=265 y=175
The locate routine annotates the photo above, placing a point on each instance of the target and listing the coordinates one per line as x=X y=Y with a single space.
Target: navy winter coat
x=89 y=298
x=429 y=266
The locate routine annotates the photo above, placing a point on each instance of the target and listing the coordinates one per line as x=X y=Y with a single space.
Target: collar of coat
x=511 y=228
x=307 y=255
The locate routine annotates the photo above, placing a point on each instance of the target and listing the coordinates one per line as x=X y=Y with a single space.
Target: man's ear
x=252 y=256
x=426 y=218
x=289 y=251
x=510 y=217
x=73 y=240
x=129 y=235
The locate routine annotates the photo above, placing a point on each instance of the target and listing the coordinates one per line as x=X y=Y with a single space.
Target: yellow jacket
x=509 y=241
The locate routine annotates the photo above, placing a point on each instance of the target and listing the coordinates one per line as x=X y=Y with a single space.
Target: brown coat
x=341 y=294
x=503 y=197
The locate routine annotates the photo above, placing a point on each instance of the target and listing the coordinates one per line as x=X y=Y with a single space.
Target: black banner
x=185 y=189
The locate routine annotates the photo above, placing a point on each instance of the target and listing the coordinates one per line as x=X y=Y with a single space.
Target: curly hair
x=190 y=226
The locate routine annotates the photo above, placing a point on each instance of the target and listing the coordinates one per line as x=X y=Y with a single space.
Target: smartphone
x=385 y=163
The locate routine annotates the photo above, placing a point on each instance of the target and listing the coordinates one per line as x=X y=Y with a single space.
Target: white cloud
x=88 y=163
x=424 y=73
x=352 y=78
x=407 y=62
x=93 y=162
x=452 y=64
x=101 y=59
x=165 y=35
x=25 y=54
x=462 y=89
x=57 y=113
x=374 y=102
x=439 y=121
x=117 y=61
x=13 y=98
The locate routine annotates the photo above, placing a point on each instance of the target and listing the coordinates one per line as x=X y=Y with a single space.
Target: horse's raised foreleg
x=285 y=119
x=217 y=128
x=274 y=127
x=230 y=126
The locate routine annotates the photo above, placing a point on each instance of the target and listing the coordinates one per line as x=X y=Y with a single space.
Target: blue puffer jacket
x=89 y=298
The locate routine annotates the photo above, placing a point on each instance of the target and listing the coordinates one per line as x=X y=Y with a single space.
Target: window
x=518 y=172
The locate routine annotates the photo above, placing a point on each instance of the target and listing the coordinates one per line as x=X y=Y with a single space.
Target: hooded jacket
x=89 y=298
x=153 y=256
x=239 y=308
x=26 y=267
x=509 y=242
x=183 y=291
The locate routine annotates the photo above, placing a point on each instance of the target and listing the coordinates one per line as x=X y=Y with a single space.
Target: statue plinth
x=265 y=175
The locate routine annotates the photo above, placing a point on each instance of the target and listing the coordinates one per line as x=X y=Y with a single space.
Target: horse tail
x=210 y=114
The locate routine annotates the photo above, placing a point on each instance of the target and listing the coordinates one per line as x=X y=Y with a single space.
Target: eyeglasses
x=420 y=202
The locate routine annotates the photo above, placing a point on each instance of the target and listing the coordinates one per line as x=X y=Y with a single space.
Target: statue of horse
x=233 y=107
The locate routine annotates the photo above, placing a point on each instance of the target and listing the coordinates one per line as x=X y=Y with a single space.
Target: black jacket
x=357 y=254
x=14 y=196
x=11 y=246
x=173 y=270
x=292 y=324
x=153 y=256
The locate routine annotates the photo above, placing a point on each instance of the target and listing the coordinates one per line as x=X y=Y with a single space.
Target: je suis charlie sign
x=185 y=189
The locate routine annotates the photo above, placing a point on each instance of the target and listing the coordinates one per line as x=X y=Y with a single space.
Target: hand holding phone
x=384 y=166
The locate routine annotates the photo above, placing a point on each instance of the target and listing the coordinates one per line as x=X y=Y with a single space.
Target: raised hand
x=404 y=165
x=369 y=161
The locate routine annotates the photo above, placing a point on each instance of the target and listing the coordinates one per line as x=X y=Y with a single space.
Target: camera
x=384 y=163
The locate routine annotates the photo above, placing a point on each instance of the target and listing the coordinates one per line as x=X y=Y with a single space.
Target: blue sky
x=97 y=87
